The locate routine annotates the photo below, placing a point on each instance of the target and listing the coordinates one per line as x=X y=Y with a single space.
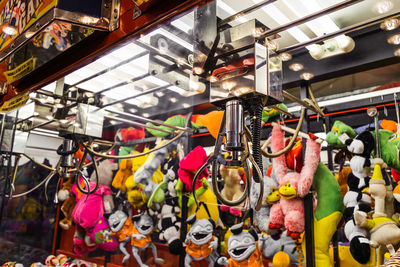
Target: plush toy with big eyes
x=243 y=248
x=137 y=230
x=201 y=242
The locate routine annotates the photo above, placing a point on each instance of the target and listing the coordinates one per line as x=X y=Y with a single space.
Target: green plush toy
x=390 y=143
x=269 y=113
x=177 y=120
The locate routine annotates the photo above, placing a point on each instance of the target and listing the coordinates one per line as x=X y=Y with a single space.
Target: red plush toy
x=189 y=165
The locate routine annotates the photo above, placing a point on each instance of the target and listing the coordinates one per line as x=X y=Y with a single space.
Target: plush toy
x=383 y=230
x=65 y=195
x=394 y=261
x=211 y=121
x=89 y=209
x=281 y=259
x=200 y=241
x=270 y=113
x=130 y=134
x=243 y=248
x=271 y=196
x=342 y=179
x=124 y=171
x=270 y=247
x=327 y=215
x=53 y=261
x=293 y=186
x=12 y=264
x=135 y=230
x=232 y=189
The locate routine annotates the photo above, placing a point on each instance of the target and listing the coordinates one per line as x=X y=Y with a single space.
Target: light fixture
x=88 y=20
x=198 y=70
x=382 y=6
x=186 y=105
x=390 y=24
x=333 y=47
x=394 y=39
x=285 y=56
x=307 y=76
x=225 y=7
x=296 y=67
x=397 y=52
x=59 y=105
x=272 y=45
x=173 y=99
x=50 y=117
x=10 y=30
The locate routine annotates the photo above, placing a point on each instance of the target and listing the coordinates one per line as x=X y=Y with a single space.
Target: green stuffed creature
x=200 y=191
x=390 y=143
x=269 y=113
x=177 y=120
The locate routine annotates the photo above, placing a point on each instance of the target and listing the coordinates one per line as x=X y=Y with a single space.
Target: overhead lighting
x=225 y=7
x=272 y=45
x=173 y=99
x=198 y=70
x=285 y=56
x=296 y=67
x=178 y=23
x=390 y=24
x=383 y=6
x=307 y=76
x=186 y=105
x=397 y=52
x=145 y=114
x=88 y=20
x=10 y=30
x=394 y=39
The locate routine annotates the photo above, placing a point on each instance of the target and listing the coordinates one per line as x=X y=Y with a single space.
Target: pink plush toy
x=293 y=186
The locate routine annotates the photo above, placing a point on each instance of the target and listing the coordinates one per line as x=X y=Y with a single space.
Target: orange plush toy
x=342 y=179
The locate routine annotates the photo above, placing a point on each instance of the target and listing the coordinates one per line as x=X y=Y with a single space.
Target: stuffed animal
x=12 y=264
x=232 y=189
x=281 y=259
x=65 y=195
x=342 y=179
x=383 y=230
x=270 y=247
x=125 y=170
x=293 y=186
x=89 y=209
x=271 y=196
x=243 y=248
x=135 y=230
x=270 y=113
x=200 y=241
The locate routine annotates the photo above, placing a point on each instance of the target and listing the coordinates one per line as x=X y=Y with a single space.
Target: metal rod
x=299 y=101
x=310 y=17
x=345 y=30
x=244 y=12
x=135 y=79
x=30 y=117
x=137 y=124
x=148 y=120
x=137 y=95
x=126 y=61
x=40 y=125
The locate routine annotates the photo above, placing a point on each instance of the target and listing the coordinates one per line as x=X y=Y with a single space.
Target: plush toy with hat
x=243 y=248
x=293 y=186
x=201 y=243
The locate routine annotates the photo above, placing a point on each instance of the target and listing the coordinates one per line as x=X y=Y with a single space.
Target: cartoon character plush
x=243 y=248
x=269 y=247
x=293 y=186
x=66 y=195
x=137 y=231
x=200 y=241
x=232 y=189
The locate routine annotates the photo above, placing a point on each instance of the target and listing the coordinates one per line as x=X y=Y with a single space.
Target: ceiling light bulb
x=397 y=53
x=390 y=24
x=383 y=6
x=272 y=45
x=296 y=67
x=307 y=76
x=146 y=114
x=285 y=56
x=49 y=117
x=10 y=30
x=198 y=70
x=173 y=99
x=59 y=105
x=394 y=39
x=186 y=105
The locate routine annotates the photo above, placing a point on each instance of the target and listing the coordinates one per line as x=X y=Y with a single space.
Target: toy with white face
x=117 y=220
x=145 y=224
x=241 y=246
x=201 y=232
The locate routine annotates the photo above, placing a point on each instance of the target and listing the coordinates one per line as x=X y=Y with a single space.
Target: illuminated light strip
x=172 y=37
x=222 y=5
x=181 y=25
x=272 y=11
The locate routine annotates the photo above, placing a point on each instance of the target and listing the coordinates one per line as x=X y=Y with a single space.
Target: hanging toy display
x=293 y=186
x=135 y=230
x=243 y=248
x=200 y=240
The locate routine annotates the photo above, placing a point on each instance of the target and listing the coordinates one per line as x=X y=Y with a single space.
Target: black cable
x=256 y=129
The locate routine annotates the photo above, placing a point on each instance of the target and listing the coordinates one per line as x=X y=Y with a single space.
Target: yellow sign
x=14 y=103
x=17 y=16
x=20 y=71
